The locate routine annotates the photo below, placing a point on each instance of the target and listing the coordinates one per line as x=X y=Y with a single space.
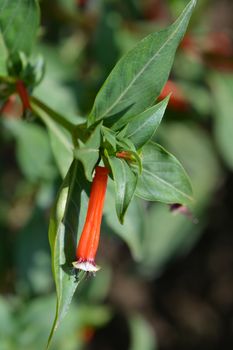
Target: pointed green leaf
x=121 y=134
x=163 y=177
x=19 y=22
x=142 y=127
x=125 y=144
x=88 y=153
x=125 y=185
x=110 y=137
x=140 y=75
x=67 y=219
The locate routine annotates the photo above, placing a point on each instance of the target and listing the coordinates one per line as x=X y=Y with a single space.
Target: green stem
x=54 y=115
x=52 y=124
x=8 y=80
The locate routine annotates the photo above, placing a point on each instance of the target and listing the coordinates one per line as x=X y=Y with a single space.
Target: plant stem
x=58 y=118
x=8 y=80
x=61 y=133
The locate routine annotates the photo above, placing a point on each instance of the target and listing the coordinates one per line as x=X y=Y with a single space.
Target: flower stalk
x=125 y=155
x=23 y=94
x=89 y=239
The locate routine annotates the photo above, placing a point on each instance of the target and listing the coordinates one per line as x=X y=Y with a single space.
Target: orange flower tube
x=89 y=240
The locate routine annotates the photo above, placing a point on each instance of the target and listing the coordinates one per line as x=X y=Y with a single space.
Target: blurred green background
x=166 y=280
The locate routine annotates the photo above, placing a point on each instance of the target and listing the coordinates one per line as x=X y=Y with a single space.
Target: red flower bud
x=124 y=155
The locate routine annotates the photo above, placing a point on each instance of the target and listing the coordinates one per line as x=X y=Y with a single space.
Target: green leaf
x=133 y=228
x=222 y=88
x=88 y=153
x=163 y=177
x=142 y=127
x=140 y=75
x=125 y=185
x=125 y=144
x=67 y=219
x=110 y=137
x=19 y=22
x=33 y=149
x=122 y=132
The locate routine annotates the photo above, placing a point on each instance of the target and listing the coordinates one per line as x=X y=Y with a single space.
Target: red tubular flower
x=11 y=108
x=23 y=94
x=89 y=240
x=177 y=100
x=81 y=4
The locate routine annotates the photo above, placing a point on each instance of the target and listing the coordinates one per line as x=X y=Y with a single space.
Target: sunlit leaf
x=139 y=76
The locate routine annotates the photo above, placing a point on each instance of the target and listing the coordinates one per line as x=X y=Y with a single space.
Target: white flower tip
x=86 y=266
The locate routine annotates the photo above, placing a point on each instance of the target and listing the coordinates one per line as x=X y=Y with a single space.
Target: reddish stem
x=23 y=94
